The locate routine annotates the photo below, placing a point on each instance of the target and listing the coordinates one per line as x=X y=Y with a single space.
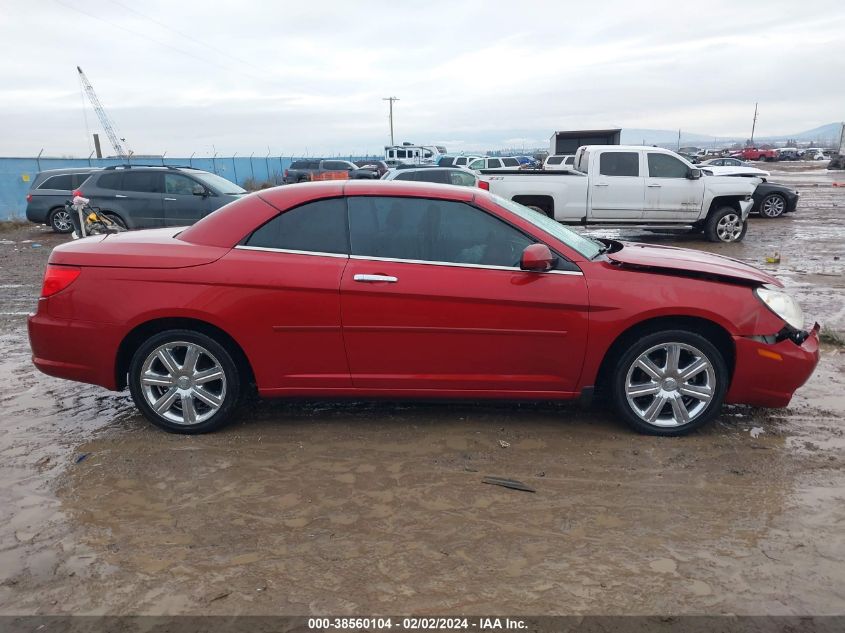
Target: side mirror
x=694 y=174
x=199 y=190
x=537 y=258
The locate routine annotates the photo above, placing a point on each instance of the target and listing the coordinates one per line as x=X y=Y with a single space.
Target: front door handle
x=119 y=195
x=655 y=185
x=601 y=184
x=171 y=199
x=376 y=278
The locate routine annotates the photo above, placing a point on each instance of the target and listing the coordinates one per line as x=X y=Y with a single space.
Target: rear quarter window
x=63 y=182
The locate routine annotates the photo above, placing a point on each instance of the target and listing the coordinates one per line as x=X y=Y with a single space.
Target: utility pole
x=679 y=140
x=391 y=99
x=754 y=124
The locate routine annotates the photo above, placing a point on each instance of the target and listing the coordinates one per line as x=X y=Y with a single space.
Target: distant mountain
x=831 y=131
x=822 y=134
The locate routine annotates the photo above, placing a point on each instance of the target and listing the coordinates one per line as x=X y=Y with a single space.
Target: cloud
x=185 y=76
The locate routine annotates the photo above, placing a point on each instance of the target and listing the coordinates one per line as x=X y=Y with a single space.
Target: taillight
x=57 y=278
x=29 y=197
x=483 y=184
x=76 y=192
x=286 y=173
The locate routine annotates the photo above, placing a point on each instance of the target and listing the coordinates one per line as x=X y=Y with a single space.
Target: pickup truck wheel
x=184 y=382
x=60 y=220
x=725 y=224
x=669 y=383
x=772 y=206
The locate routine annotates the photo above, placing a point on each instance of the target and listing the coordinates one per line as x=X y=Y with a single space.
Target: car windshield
x=218 y=182
x=587 y=247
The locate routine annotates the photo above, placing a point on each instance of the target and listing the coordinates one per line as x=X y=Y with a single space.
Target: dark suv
x=144 y=196
x=45 y=201
x=311 y=169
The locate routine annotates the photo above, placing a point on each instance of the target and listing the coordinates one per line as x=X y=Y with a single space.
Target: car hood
x=687 y=262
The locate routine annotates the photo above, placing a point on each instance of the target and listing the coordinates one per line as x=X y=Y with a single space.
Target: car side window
x=477 y=164
x=63 y=182
x=405 y=175
x=432 y=230
x=619 y=164
x=141 y=182
x=510 y=162
x=493 y=163
x=110 y=180
x=336 y=165
x=316 y=227
x=665 y=166
x=177 y=184
x=461 y=178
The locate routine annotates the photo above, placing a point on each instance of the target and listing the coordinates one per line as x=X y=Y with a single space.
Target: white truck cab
x=634 y=185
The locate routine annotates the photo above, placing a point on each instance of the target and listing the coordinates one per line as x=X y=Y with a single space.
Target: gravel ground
x=362 y=508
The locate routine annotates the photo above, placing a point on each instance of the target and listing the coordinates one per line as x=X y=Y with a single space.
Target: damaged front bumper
x=768 y=370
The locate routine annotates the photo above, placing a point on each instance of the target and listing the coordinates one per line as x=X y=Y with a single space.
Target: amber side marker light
x=769 y=354
x=57 y=278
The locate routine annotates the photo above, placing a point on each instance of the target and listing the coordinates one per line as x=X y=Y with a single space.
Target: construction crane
x=119 y=144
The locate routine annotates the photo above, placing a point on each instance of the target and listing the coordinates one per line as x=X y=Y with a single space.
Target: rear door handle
x=376 y=278
x=119 y=195
x=171 y=199
x=601 y=184
x=655 y=185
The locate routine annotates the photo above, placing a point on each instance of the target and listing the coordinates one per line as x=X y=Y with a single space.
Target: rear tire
x=184 y=382
x=60 y=220
x=725 y=224
x=669 y=383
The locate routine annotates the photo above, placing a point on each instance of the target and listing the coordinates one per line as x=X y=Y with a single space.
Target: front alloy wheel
x=772 y=206
x=184 y=382
x=725 y=225
x=670 y=383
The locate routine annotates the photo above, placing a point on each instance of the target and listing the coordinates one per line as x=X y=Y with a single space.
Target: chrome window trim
x=290 y=251
x=458 y=265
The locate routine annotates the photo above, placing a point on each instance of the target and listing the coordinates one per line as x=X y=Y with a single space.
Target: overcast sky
x=182 y=77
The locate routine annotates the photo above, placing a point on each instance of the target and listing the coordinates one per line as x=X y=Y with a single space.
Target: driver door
x=182 y=206
x=433 y=299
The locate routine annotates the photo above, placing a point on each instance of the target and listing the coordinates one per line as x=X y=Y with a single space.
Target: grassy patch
x=832 y=337
x=7 y=226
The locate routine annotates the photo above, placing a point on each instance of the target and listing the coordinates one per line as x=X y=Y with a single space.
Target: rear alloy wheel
x=772 y=206
x=670 y=383
x=184 y=382
x=60 y=220
x=725 y=225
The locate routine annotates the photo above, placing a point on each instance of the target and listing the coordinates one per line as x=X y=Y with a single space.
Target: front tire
x=772 y=206
x=60 y=220
x=184 y=382
x=669 y=383
x=725 y=224
x=114 y=217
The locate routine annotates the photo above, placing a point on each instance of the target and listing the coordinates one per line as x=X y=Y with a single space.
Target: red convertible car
x=403 y=290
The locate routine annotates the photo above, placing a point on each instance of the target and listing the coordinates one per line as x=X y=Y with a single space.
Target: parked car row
x=142 y=196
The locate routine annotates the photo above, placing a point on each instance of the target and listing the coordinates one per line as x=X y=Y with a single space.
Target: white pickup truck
x=634 y=186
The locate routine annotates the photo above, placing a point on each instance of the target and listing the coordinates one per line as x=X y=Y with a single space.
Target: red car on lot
x=406 y=290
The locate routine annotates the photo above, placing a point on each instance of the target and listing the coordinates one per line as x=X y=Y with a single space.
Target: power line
x=156 y=41
x=189 y=37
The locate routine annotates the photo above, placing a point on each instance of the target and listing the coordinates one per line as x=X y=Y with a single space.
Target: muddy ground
x=363 y=508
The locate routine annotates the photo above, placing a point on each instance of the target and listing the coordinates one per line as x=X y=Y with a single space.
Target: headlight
x=782 y=304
